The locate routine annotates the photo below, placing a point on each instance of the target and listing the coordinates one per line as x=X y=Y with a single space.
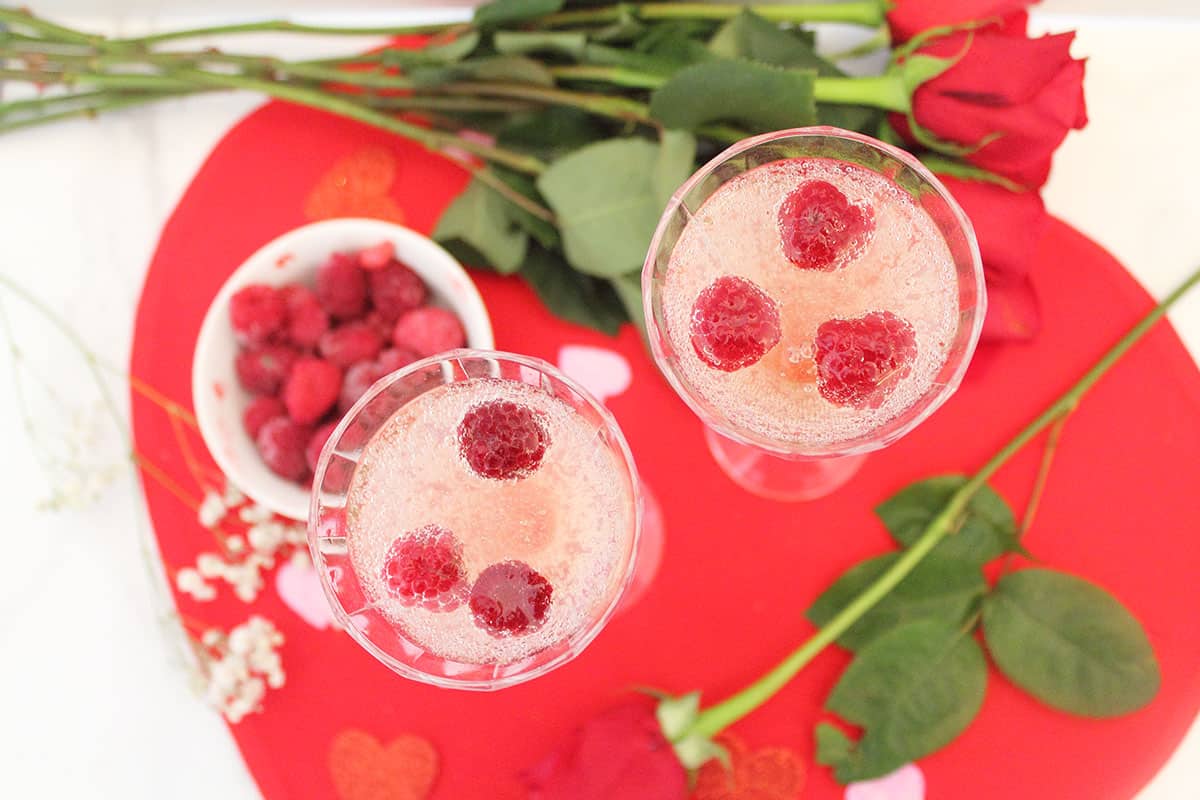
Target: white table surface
x=94 y=696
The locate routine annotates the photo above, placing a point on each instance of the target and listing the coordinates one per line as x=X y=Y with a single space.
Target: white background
x=94 y=695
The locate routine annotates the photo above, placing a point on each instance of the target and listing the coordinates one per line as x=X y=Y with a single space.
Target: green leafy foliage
x=508 y=12
x=608 y=197
x=514 y=69
x=448 y=53
x=1069 y=643
x=912 y=690
x=939 y=588
x=758 y=96
x=566 y=43
x=481 y=220
x=749 y=36
x=550 y=133
x=571 y=295
x=833 y=746
x=987 y=530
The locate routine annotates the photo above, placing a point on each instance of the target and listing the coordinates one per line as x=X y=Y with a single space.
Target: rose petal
x=907 y=18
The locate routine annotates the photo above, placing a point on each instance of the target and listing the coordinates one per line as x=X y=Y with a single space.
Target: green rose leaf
x=1069 y=643
x=912 y=690
x=571 y=295
x=479 y=218
x=676 y=714
x=629 y=293
x=565 y=43
x=751 y=37
x=550 y=133
x=448 y=53
x=676 y=41
x=757 y=95
x=945 y=589
x=833 y=746
x=515 y=69
x=987 y=530
x=608 y=197
x=541 y=230
x=499 y=13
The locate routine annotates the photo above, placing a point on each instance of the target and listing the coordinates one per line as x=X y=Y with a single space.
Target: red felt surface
x=737 y=571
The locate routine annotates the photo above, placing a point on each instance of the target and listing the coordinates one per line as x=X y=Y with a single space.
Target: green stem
x=24 y=18
x=104 y=102
x=281 y=26
x=879 y=91
x=429 y=103
x=879 y=40
x=865 y=12
x=716 y=718
x=617 y=76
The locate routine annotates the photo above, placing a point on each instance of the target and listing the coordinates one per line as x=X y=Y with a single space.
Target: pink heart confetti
x=603 y=372
x=300 y=590
x=906 y=783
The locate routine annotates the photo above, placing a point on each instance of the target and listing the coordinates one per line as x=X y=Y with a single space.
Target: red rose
x=1018 y=95
x=1009 y=225
x=907 y=18
x=620 y=754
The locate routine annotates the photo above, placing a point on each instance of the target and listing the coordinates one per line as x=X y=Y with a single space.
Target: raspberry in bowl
x=475 y=519
x=303 y=328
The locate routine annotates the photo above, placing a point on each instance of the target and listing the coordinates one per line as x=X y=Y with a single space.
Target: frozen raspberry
x=312 y=451
x=425 y=567
x=261 y=410
x=358 y=379
x=383 y=326
x=256 y=313
x=395 y=289
x=263 y=370
x=510 y=599
x=281 y=444
x=860 y=360
x=350 y=343
x=428 y=331
x=500 y=439
x=820 y=229
x=376 y=257
x=311 y=389
x=394 y=358
x=306 y=320
x=734 y=323
x=342 y=287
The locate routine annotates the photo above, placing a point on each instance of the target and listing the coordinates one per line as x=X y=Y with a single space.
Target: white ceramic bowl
x=219 y=399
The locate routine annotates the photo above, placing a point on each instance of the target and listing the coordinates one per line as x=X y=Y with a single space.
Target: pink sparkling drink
x=475 y=518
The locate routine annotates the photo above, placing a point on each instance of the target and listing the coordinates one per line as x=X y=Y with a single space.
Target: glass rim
x=720 y=425
x=575 y=643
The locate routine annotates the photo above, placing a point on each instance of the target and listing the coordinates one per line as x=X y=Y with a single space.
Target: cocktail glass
x=363 y=481
x=769 y=465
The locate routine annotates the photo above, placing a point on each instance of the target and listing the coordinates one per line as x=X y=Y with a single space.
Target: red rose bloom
x=907 y=18
x=620 y=754
x=1009 y=225
x=1015 y=96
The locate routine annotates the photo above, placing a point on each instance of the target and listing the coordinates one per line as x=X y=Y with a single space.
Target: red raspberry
x=350 y=343
x=395 y=289
x=306 y=320
x=256 y=312
x=510 y=599
x=261 y=410
x=312 y=451
x=428 y=331
x=394 y=358
x=383 y=326
x=820 y=229
x=425 y=567
x=311 y=389
x=263 y=370
x=500 y=439
x=860 y=360
x=734 y=324
x=342 y=287
x=281 y=444
x=377 y=256
x=359 y=378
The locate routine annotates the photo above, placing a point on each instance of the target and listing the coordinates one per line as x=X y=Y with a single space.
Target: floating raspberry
x=395 y=289
x=358 y=379
x=860 y=360
x=261 y=410
x=510 y=599
x=428 y=331
x=311 y=389
x=734 y=323
x=820 y=229
x=394 y=358
x=281 y=444
x=377 y=256
x=342 y=287
x=263 y=370
x=312 y=451
x=306 y=320
x=425 y=567
x=350 y=343
x=256 y=312
x=500 y=439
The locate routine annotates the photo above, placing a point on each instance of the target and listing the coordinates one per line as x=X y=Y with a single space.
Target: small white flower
x=235 y=544
x=210 y=565
x=254 y=513
x=190 y=582
x=301 y=559
x=212 y=638
x=242 y=641
x=212 y=509
x=233 y=496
